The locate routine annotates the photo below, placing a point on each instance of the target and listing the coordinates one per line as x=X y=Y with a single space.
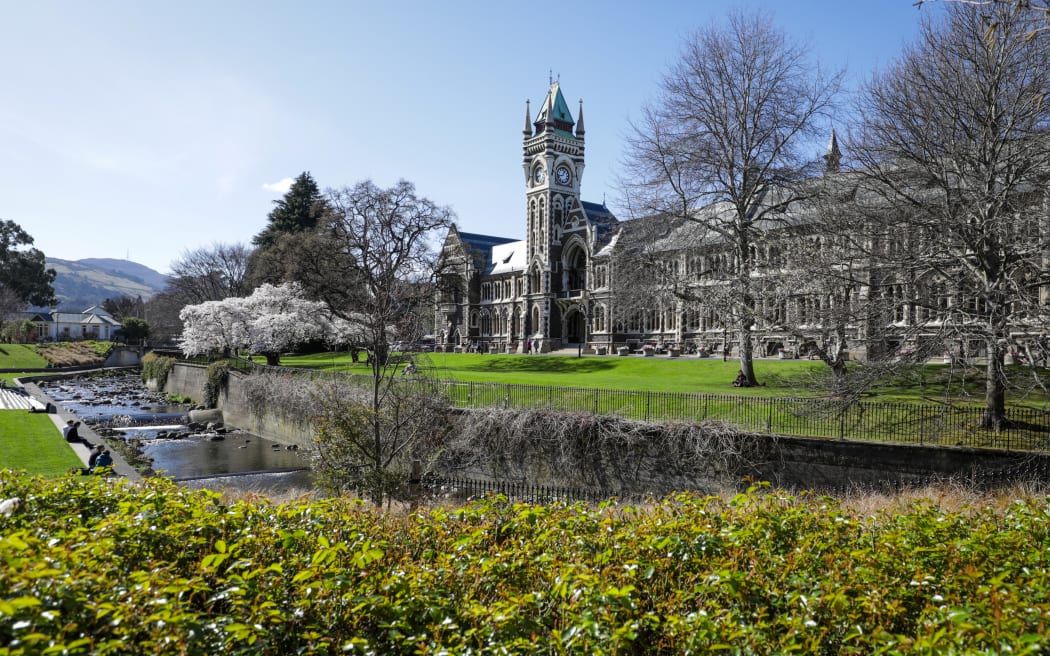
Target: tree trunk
x=273 y=359
x=747 y=307
x=994 y=417
x=377 y=438
x=747 y=365
x=839 y=374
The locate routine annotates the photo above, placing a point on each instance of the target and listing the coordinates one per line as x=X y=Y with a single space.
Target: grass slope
x=32 y=442
x=20 y=356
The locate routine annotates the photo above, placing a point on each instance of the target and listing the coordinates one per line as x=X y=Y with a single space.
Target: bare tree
x=211 y=274
x=125 y=306
x=813 y=272
x=373 y=262
x=728 y=144
x=1039 y=8
x=10 y=305
x=954 y=144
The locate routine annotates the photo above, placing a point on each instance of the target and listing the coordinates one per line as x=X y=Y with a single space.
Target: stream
x=196 y=455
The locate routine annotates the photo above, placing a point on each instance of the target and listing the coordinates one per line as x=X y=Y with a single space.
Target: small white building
x=92 y=323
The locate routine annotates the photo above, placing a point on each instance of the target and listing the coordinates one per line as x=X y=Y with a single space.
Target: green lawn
x=931 y=382
x=656 y=374
x=20 y=356
x=31 y=442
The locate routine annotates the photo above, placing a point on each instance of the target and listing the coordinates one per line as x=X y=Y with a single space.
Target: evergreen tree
x=22 y=269
x=299 y=210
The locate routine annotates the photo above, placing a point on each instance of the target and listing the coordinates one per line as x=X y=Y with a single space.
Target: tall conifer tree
x=297 y=211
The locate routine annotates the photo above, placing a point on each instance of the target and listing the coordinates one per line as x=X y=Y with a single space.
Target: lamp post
x=585 y=309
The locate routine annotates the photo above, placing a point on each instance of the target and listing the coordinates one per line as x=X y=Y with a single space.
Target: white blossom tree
x=212 y=327
x=271 y=320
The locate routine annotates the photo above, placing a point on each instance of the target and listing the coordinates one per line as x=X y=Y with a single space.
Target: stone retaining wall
x=188 y=380
x=785 y=461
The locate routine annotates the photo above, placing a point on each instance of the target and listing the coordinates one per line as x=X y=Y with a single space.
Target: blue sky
x=142 y=129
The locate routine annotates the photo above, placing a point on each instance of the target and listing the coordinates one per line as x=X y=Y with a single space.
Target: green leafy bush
x=106 y=567
x=215 y=378
x=157 y=367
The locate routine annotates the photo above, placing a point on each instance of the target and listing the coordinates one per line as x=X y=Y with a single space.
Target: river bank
x=154 y=436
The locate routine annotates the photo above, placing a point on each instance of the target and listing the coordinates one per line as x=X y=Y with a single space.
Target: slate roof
x=483 y=242
x=92 y=316
x=604 y=223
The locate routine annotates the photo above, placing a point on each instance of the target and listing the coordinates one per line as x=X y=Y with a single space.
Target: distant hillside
x=129 y=269
x=79 y=284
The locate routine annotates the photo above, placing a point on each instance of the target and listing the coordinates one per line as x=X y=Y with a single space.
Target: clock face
x=563 y=175
x=538 y=175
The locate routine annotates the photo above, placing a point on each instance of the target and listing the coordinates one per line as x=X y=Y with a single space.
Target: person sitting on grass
x=741 y=380
x=93 y=458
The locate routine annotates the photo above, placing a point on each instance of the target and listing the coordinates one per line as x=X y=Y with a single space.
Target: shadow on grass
x=540 y=364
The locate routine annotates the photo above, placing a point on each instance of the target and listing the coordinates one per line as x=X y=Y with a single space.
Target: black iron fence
x=945 y=424
x=462 y=490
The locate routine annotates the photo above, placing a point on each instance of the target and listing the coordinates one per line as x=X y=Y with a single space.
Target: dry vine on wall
x=546 y=447
x=605 y=452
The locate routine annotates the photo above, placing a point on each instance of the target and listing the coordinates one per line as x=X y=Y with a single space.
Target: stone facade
x=556 y=288
x=506 y=295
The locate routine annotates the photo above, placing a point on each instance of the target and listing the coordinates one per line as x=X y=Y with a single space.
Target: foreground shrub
x=107 y=567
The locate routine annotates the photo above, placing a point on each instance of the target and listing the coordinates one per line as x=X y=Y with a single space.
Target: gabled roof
x=602 y=221
x=598 y=212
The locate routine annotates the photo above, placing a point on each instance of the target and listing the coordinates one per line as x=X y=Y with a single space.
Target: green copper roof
x=554 y=107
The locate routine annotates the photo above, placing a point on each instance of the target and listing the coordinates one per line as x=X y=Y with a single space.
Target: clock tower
x=552 y=162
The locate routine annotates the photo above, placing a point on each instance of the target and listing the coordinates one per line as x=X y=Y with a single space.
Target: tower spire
x=579 y=121
x=528 y=121
x=833 y=158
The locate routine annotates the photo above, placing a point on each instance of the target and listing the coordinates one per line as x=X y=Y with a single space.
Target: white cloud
x=281 y=186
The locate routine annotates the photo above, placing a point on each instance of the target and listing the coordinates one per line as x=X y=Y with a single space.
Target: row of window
x=502 y=289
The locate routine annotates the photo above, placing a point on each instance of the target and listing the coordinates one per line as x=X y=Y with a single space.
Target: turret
x=833 y=158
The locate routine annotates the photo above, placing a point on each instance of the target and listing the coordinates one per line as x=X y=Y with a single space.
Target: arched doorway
x=575 y=268
x=575 y=327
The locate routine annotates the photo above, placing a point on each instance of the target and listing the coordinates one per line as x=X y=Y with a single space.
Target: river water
x=196 y=457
